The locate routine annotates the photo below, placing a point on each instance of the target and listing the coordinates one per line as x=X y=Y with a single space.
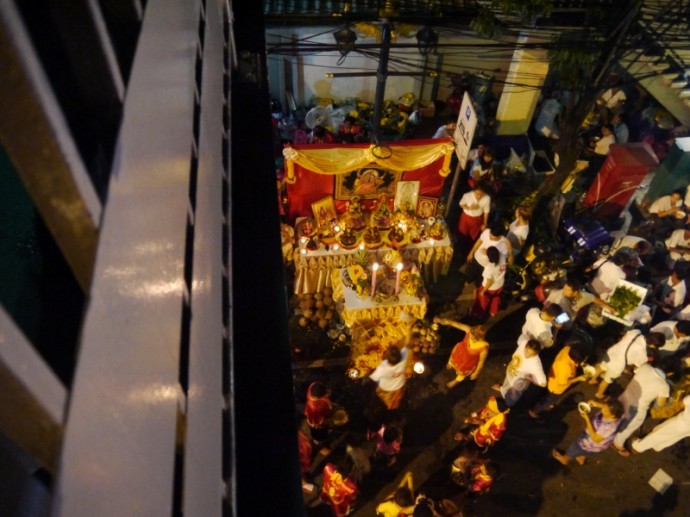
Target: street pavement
x=529 y=480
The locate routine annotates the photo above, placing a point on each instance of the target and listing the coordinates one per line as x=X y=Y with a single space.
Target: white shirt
x=612 y=99
x=678 y=240
x=607 y=277
x=495 y=273
x=517 y=235
x=536 y=328
x=391 y=378
x=663 y=204
x=644 y=388
x=521 y=367
x=603 y=144
x=485 y=242
x=442 y=132
x=684 y=313
x=673 y=343
x=469 y=199
x=674 y=295
x=630 y=350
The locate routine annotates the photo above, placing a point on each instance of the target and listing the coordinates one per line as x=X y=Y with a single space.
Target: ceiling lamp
x=345 y=39
x=426 y=40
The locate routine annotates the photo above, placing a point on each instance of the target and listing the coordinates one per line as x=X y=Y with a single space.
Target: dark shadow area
x=662 y=504
x=37 y=288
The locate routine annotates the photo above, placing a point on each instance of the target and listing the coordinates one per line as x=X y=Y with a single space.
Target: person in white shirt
x=613 y=98
x=446 y=130
x=630 y=350
x=572 y=299
x=668 y=205
x=677 y=334
x=488 y=299
x=603 y=144
x=609 y=271
x=667 y=214
x=666 y=433
x=632 y=244
x=390 y=376
x=669 y=295
x=477 y=258
x=539 y=324
x=678 y=245
x=647 y=386
x=474 y=216
x=518 y=231
x=524 y=368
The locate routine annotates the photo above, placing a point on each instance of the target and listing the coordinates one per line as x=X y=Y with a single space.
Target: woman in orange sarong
x=468 y=356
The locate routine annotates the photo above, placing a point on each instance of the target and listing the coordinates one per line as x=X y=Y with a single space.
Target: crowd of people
x=639 y=368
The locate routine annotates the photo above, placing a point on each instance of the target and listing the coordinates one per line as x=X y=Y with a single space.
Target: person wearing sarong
x=468 y=356
x=318 y=410
x=390 y=376
x=488 y=298
x=490 y=422
x=474 y=216
x=339 y=490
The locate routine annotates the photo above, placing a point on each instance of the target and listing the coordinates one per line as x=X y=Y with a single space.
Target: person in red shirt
x=318 y=410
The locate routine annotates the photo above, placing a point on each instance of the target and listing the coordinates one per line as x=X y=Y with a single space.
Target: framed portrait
x=406 y=195
x=367 y=183
x=324 y=211
x=426 y=207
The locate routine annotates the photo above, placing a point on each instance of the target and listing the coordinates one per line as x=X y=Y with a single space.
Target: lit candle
x=303 y=251
x=303 y=240
x=431 y=242
x=336 y=247
x=374 y=269
x=361 y=246
x=398 y=268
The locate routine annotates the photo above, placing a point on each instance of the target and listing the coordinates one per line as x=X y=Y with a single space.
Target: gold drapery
x=375 y=328
x=342 y=159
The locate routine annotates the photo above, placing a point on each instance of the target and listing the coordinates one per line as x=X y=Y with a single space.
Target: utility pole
x=382 y=74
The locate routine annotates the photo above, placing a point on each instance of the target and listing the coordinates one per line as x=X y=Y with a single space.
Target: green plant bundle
x=624 y=300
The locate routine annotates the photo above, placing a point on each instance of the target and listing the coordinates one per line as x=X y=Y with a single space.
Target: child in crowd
x=599 y=433
x=401 y=502
x=388 y=442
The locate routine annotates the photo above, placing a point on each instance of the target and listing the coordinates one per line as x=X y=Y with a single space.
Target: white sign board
x=467 y=123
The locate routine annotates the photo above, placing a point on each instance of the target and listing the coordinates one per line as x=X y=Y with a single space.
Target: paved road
x=529 y=482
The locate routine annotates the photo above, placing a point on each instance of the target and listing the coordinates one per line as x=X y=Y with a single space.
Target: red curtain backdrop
x=310 y=187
